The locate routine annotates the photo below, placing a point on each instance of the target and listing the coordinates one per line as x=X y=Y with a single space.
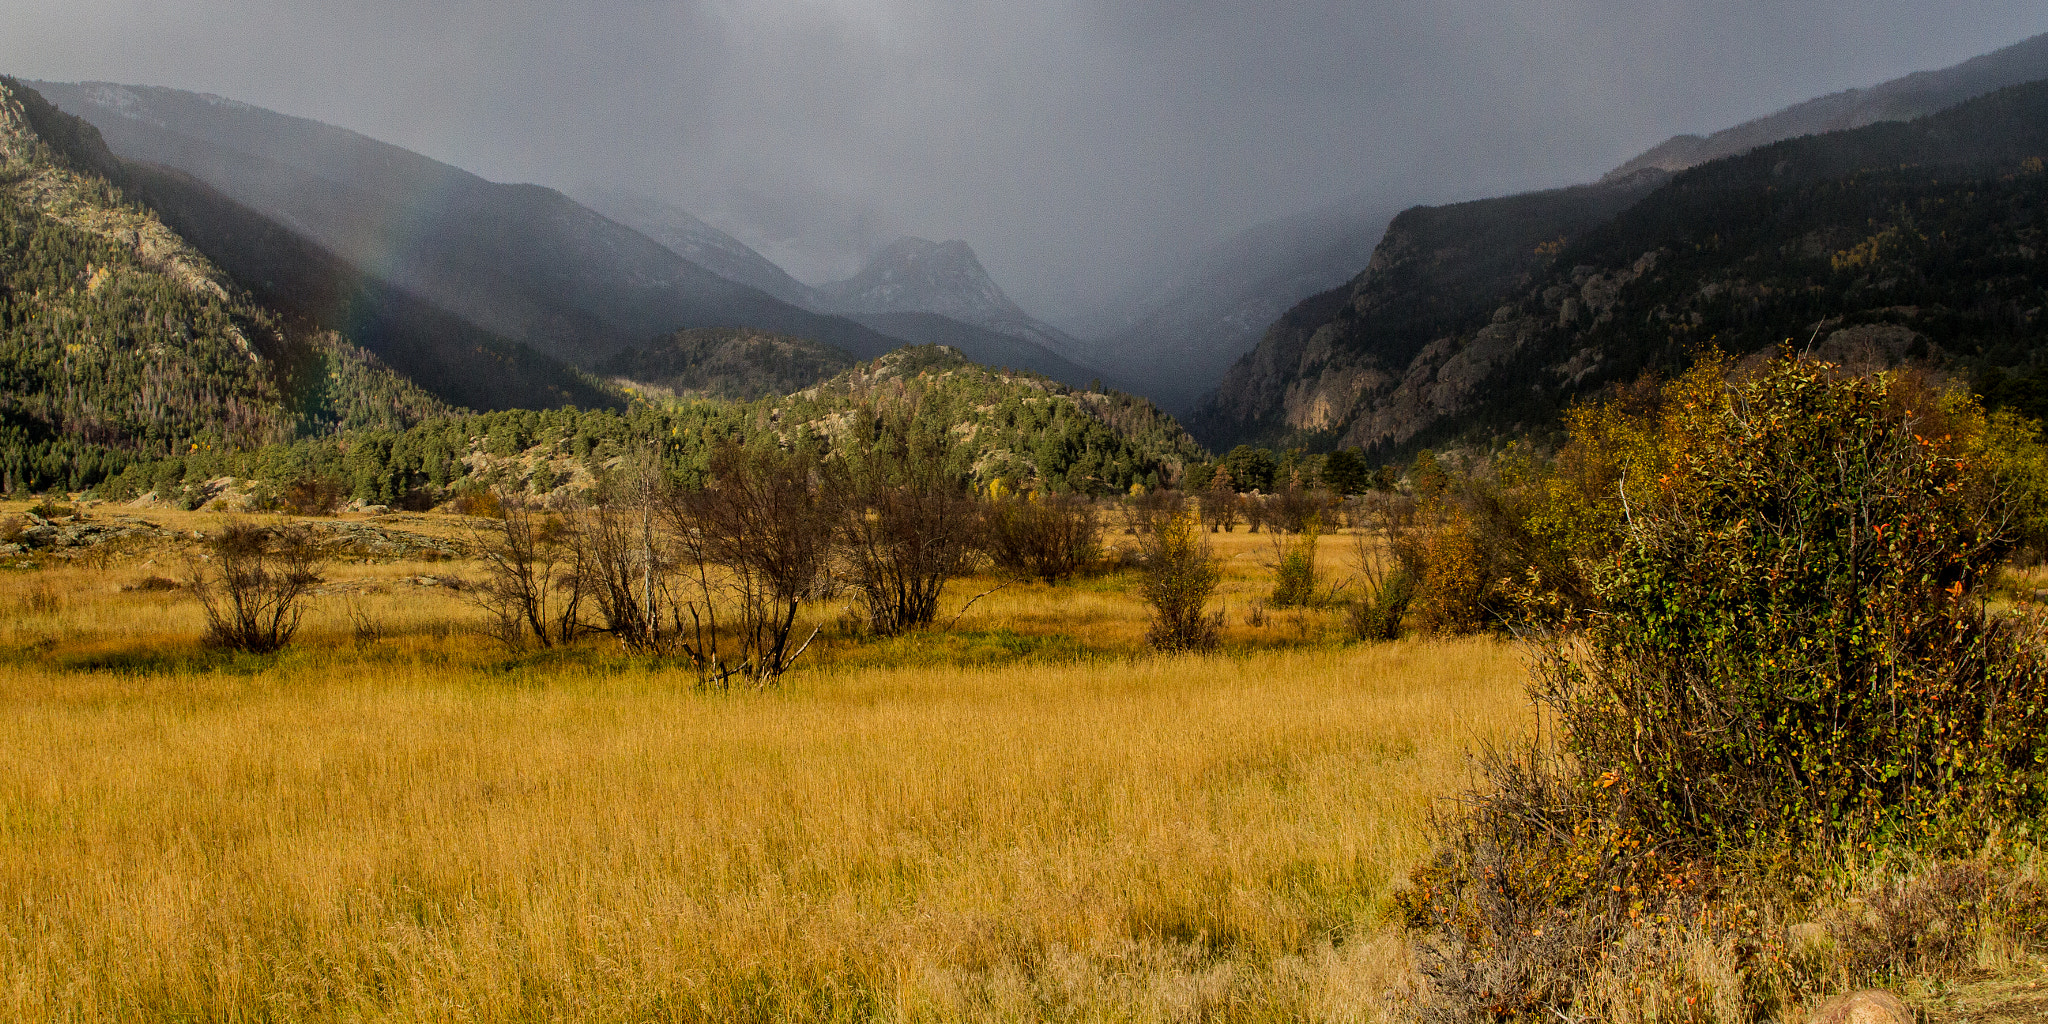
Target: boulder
x=1870 y=1006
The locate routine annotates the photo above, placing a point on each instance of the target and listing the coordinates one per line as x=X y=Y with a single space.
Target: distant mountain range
x=131 y=363
x=1434 y=338
x=521 y=261
x=528 y=264
x=918 y=291
x=336 y=258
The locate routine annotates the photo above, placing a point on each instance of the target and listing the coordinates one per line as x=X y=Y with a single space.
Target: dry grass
x=1025 y=818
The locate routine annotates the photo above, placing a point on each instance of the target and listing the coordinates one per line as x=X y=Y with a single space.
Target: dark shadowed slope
x=1437 y=269
x=520 y=260
x=120 y=341
x=684 y=234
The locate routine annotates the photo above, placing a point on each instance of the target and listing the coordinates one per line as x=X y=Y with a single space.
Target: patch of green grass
x=967 y=649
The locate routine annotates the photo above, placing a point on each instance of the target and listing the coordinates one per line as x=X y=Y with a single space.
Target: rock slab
x=1871 y=1006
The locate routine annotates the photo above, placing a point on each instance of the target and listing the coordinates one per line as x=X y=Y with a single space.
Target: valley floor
x=1022 y=816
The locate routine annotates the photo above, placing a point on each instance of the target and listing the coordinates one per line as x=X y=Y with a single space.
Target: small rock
x=1870 y=1006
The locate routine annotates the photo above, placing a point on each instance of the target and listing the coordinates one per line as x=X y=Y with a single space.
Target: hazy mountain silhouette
x=1178 y=338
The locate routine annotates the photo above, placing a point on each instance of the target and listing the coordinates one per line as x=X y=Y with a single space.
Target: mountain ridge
x=1914 y=240
x=520 y=260
x=1899 y=99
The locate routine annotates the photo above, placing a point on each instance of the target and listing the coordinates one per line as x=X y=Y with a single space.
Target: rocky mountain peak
x=917 y=275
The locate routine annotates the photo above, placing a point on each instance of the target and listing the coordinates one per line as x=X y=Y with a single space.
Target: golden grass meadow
x=1022 y=816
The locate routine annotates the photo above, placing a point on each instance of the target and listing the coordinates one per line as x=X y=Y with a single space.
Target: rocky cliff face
x=1913 y=241
x=1365 y=345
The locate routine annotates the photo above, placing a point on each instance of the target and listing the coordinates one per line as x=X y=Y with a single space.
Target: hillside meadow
x=1020 y=815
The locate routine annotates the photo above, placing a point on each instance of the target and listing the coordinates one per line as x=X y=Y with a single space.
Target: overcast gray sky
x=1071 y=141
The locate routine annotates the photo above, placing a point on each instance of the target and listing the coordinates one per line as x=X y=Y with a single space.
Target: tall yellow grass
x=421 y=830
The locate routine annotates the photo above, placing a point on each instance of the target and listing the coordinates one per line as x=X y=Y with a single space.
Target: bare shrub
x=1222 y=506
x=1386 y=586
x=762 y=534
x=12 y=528
x=1180 y=577
x=912 y=524
x=530 y=587
x=366 y=629
x=1254 y=509
x=1296 y=509
x=253 y=586
x=312 y=496
x=1144 y=512
x=1043 y=537
x=622 y=564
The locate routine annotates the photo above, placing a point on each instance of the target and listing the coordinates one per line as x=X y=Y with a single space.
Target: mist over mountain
x=921 y=286
x=1900 y=99
x=522 y=261
x=813 y=233
x=913 y=275
x=1174 y=341
x=684 y=234
x=1349 y=355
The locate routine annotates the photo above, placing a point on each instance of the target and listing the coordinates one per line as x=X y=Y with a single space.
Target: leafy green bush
x=1383 y=605
x=1786 y=645
x=1297 y=580
x=1782 y=659
x=1180 y=576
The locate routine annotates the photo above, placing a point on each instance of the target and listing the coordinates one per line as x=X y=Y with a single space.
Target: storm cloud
x=1077 y=144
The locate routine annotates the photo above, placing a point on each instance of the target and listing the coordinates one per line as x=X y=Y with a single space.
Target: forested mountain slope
x=120 y=341
x=726 y=362
x=1920 y=240
x=1020 y=428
